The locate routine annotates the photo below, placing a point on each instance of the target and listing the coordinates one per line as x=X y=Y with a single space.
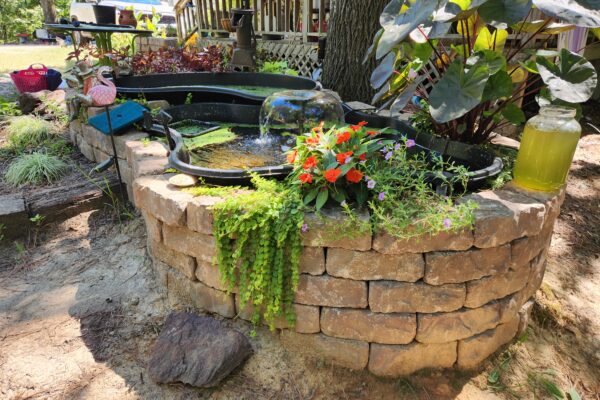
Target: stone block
x=525 y=316
x=14 y=220
x=536 y=276
x=472 y=351
x=503 y=216
x=456 y=267
x=307 y=317
x=138 y=152
x=490 y=288
x=130 y=136
x=350 y=354
x=87 y=150
x=192 y=243
x=153 y=227
x=126 y=172
x=324 y=231
x=181 y=262
x=100 y=155
x=389 y=297
x=199 y=214
x=208 y=273
x=525 y=249
x=150 y=166
x=451 y=326
x=158 y=104
x=312 y=260
x=325 y=290
x=443 y=241
x=368 y=326
x=370 y=265
x=74 y=131
x=396 y=360
x=155 y=195
x=199 y=295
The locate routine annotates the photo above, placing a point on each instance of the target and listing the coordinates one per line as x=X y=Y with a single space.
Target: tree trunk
x=49 y=11
x=352 y=25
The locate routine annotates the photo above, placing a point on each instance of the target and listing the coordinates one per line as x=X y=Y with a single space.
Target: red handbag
x=30 y=79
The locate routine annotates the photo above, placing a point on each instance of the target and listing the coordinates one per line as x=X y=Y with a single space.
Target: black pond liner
x=482 y=163
x=214 y=87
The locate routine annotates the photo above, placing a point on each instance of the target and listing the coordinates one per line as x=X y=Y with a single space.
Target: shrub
x=35 y=168
x=27 y=131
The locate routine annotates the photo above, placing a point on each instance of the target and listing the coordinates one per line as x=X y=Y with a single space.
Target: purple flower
x=304 y=227
x=367 y=179
x=381 y=196
x=447 y=223
x=371 y=183
x=410 y=143
x=348 y=160
x=397 y=146
x=388 y=155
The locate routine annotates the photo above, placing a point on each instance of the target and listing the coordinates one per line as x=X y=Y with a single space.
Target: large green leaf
x=371 y=50
x=501 y=13
x=499 y=85
x=494 y=61
x=513 y=114
x=456 y=10
x=577 y=12
x=383 y=71
x=398 y=23
x=404 y=97
x=458 y=92
x=573 y=79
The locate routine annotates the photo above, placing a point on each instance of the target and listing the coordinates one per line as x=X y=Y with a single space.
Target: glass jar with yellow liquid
x=547 y=148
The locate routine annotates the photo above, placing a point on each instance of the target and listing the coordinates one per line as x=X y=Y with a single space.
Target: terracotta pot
x=126 y=17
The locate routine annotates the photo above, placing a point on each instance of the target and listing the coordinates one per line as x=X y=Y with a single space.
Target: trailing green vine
x=259 y=245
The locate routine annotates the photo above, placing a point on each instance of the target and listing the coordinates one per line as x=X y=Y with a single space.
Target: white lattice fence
x=300 y=56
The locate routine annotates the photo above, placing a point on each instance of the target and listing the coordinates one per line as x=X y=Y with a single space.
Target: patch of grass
x=35 y=168
x=21 y=57
x=27 y=131
x=8 y=108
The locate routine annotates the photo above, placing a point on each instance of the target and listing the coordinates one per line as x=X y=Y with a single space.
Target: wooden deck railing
x=301 y=20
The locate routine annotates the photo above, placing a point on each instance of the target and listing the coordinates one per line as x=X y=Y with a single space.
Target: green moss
x=218 y=136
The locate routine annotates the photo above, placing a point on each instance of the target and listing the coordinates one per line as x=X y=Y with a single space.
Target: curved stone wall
x=392 y=306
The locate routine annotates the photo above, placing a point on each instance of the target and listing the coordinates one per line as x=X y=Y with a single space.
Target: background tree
x=18 y=16
x=49 y=10
x=351 y=28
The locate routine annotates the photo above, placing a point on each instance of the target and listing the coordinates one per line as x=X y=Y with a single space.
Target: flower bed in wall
x=370 y=301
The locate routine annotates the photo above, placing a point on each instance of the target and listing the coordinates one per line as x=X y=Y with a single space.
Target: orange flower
x=305 y=178
x=354 y=175
x=341 y=157
x=291 y=157
x=362 y=157
x=357 y=127
x=310 y=162
x=343 y=137
x=319 y=129
x=372 y=133
x=313 y=140
x=332 y=174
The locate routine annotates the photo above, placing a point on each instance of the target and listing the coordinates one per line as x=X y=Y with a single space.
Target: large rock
x=196 y=350
x=43 y=102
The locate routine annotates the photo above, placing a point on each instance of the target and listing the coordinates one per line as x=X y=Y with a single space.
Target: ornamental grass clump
x=27 y=131
x=35 y=168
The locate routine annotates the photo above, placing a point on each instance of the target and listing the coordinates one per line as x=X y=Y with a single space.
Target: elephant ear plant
x=477 y=82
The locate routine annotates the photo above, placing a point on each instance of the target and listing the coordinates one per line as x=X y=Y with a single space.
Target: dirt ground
x=79 y=314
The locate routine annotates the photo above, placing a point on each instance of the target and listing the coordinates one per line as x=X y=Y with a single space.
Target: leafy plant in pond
x=27 y=131
x=35 y=168
x=258 y=247
x=277 y=67
x=218 y=136
x=478 y=84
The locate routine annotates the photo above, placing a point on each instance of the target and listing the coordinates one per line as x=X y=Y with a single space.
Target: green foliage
x=259 y=246
x=406 y=204
x=218 y=136
x=217 y=191
x=189 y=98
x=35 y=168
x=543 y=381
x=277 y=67
x=8 y=108
x=19 y=16
x=27 y=131
x=2 y=229
x=477 y=85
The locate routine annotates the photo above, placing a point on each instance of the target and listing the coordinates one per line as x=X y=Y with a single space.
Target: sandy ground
x=79 y=313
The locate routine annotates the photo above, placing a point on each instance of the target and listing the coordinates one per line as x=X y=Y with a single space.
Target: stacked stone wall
x=370 y=301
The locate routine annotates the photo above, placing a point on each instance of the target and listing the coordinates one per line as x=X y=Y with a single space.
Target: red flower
x=341 y=157
x=291 y=157
x=362 y=157
x=354 y=175
x=357 y=127
x=372 y=133
x=362 y=123
x=310 y=162
x=343 y=137
x=305 y=178
x=331 y=175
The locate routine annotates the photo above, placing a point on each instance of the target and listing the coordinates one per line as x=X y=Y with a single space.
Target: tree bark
x=49 y=11
x=352 y=26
